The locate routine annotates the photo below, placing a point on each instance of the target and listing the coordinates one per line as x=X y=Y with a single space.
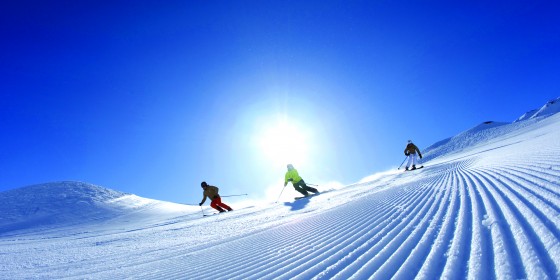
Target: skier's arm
x=203 y=200
x=419 y=154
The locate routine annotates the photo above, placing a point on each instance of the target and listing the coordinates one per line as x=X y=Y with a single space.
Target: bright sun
x=283 y=141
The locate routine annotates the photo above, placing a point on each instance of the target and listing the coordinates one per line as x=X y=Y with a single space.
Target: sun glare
x=282 y=142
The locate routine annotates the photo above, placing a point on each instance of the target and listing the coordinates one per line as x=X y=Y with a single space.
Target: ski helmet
x=203 y=184
x=290 y=167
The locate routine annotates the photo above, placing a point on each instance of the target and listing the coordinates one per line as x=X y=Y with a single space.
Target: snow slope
x=489 y=131
x=68 y=204
x=48 y=204
x=551 y=107
x=487 y=206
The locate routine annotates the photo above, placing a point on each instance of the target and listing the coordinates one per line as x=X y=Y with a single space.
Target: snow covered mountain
x=488 y=131
x=67 y=204
x=486 y=206
x=54 y=204
x=551 y=107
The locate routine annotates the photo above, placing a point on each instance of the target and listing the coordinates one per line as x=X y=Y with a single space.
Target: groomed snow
x=486 y=206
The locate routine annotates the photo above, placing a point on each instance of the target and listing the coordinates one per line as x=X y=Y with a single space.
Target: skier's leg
x=310 y=189
x=414 y=157
x=300 y=189
x=307 y=188
x=225 y=206
x=216 y=204
x=409 y=161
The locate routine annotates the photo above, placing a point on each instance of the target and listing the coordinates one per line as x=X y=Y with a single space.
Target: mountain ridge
x=485 y=131
x=65 y=203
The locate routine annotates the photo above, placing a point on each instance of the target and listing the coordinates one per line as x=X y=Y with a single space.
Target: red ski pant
x=218 y=204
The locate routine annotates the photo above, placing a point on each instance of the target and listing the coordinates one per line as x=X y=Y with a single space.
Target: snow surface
x=551 y=107
x=486 y=206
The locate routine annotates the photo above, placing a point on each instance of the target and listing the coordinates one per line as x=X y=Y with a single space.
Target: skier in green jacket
x=298 y=183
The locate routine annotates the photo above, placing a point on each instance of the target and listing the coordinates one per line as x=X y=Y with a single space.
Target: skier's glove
x=200 y=204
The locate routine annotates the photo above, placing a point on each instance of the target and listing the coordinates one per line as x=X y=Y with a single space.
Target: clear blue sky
x=152 y=97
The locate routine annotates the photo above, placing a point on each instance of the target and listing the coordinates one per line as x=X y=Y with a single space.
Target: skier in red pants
x=212 y=193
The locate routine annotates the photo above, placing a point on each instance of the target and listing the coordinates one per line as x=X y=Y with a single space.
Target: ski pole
x=204 y=215
x=280 y=194
x=234 y=195
x=311 y=184
x=402 y=162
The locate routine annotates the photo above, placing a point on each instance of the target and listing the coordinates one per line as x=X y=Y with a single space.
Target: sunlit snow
x=486 y=206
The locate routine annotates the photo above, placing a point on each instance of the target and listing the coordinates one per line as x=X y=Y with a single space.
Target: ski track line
x=468 y=217
x=502 y=267
x=462 y=237
x=433 y=265
x=287 y=265
x=365 y=231
x=543 y=172
x=353 y=253
x=358 y=260
x=417 y=247
x=201 y=249
x=131 y=259
x=476 y=241
x=212 y=266
x=400 y=240
x=481 y=257
x=427 y=257
x=518 y=225
x=312 y=242
x=431 y=239
x=539 y=204
x=158 y=256
x=284 y=255
x=283 y=275
x=355 y=243
x=317 y=246
x=537 y=253
x=541 y=208
x=433 y=221
x=547 y=194
x=228 y=270
x=520 y=252
x=489 y=196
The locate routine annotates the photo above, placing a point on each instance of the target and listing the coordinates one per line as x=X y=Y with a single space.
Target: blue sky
x=152 y=97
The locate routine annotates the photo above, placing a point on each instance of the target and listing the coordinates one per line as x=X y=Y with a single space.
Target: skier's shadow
x=297 y=204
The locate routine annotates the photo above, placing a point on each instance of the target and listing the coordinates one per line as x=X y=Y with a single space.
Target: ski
x=416 y=168
x=300 y=197
x=206 y=215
